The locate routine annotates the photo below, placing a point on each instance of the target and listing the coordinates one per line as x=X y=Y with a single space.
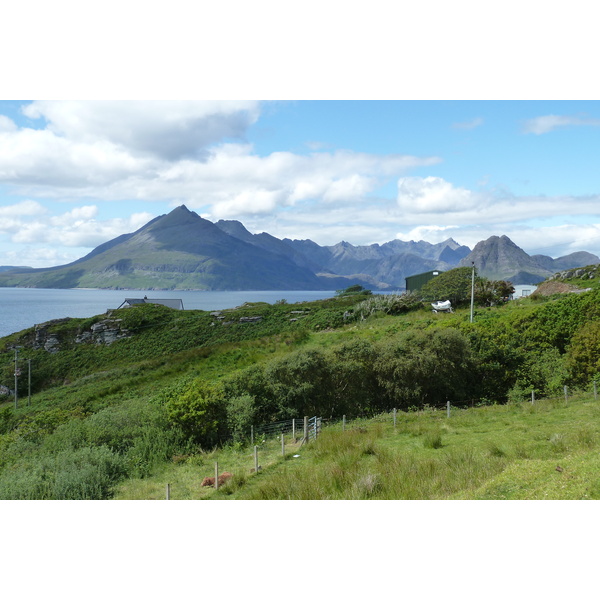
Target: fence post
x=29 y=382
x=566 y=394
x=532 y=396
x=216 y=476
x=343 y=422
x=282 y=444
x=256 y=459
x=294 y=429
x=394 y=417
x=168 y=491
x=306 y=429
x=448 y=408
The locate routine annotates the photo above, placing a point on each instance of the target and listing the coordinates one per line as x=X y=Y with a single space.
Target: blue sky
x=76 y=174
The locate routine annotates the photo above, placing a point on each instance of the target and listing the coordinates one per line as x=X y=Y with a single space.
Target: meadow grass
x=548 y=450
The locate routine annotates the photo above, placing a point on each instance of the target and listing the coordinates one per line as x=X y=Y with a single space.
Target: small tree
x=488 y=293
x=453 y=285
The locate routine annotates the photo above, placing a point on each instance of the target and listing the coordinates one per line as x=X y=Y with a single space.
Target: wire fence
x=307 y=428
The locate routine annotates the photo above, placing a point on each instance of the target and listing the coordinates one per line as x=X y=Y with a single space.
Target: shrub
x=81 y=474
x=200 y=412
x=241 y=415
x=389 y=304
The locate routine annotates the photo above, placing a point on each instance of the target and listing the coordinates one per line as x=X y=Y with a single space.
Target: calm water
x=25 y=307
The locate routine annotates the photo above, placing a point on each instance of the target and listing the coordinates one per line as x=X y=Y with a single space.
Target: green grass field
x=548 y=450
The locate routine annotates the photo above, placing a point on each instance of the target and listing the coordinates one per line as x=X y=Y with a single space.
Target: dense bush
x=453 y=285
x=388 y=304
x=81 y=474
x=426 y=367
x=199 y=410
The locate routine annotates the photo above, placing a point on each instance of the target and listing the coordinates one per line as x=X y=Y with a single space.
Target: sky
x=75 y=174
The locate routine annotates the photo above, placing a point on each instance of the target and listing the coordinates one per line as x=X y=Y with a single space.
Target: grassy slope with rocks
x=181 y=391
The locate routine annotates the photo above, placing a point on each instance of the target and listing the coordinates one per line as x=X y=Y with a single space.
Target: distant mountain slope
x=266 y=242
x=8 y=268
x=498 y=257
x=179 y=250
x=389 y=263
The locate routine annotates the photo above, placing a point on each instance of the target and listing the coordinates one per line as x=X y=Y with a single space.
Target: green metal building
x=416 y=282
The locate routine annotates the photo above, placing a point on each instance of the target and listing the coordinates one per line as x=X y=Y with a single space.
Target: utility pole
x=472 y=289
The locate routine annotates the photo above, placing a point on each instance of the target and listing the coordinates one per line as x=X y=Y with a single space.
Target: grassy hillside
x=178 y=389
x=546 y=450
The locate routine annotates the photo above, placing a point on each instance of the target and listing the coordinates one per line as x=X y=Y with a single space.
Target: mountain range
x=181 y=250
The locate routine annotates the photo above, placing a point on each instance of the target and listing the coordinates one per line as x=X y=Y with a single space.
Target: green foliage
x=489 y=293
x=388 y=304
x=425 y=367
x=453 y=285
x=81 y=474
x=241 y=415
x=199 y=410
x=583 y=354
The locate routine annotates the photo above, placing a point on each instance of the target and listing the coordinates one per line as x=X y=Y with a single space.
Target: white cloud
x=169 y=130
x=548 y=123
x=435 y=195
x=7 y=124
x=27 y=207
x=46 y=164
x=77 y=228
x=472 y=124
x=430 y=233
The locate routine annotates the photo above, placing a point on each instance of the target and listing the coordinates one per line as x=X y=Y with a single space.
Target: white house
x=522 y=291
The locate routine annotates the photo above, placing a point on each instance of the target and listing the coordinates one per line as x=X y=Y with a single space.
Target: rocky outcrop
x=103 y=332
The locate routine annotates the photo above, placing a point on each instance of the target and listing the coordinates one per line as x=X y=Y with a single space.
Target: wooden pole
x=256 y=459
x=343 y=422
x=216 y=476
x=306 y=429
x=448 y=408
x=566 y=394
x=282 y=444
x=252 y=434
x=532 y=396
x=394 y=417
x=168 y=491
x=294 y=429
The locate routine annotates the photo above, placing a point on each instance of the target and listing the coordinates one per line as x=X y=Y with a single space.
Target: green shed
x=416 y=282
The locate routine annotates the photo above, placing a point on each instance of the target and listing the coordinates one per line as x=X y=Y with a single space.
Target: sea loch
x=25 y=307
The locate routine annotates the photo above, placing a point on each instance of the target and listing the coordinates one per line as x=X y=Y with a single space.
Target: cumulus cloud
x=27 y=207
x=435 y=201
x=548 y=123
x=435 y=195
x=7 y=124
x=169 y=130
x=77 y=228
x=182 y=153
x=41 y=162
